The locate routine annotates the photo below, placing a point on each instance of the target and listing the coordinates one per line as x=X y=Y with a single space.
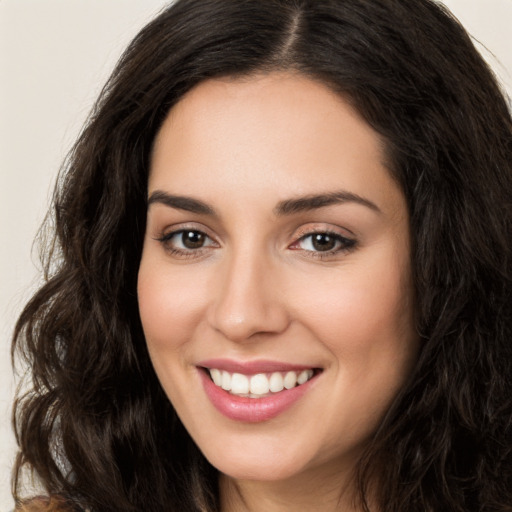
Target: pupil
x=323 y=242
x=192 y=239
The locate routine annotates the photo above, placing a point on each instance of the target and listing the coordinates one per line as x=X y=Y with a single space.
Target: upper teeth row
x=259 y=384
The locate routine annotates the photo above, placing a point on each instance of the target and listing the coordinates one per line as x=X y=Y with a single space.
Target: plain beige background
x=54 y=57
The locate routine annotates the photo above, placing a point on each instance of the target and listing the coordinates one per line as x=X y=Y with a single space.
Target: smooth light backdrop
x=54 y=57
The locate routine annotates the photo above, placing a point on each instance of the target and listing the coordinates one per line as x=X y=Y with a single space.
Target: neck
x=317 y=491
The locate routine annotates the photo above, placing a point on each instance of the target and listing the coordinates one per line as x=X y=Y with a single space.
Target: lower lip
x=252 y=410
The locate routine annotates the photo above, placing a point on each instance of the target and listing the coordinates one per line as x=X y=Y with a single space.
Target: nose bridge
x=248 y=299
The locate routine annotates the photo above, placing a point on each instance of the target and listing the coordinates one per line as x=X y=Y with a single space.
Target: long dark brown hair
x=96 y=427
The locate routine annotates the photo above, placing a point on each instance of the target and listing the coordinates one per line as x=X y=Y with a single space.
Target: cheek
x=170 y=305
x=364 y=317
x=360 y=309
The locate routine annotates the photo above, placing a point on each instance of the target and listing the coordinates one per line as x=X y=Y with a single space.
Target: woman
x=282 y=271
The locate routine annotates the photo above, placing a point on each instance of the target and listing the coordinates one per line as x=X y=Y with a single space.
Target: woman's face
x=275 y=283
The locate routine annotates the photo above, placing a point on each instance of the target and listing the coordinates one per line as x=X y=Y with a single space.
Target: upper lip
x=252 y=367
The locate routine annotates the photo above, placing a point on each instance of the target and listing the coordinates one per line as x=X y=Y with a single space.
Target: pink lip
x=251 y=367
x=252 y=410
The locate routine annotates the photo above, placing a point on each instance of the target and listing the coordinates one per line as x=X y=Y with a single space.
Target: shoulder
x=48 y=504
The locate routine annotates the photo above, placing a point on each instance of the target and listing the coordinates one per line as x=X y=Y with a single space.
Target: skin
x=259 y=289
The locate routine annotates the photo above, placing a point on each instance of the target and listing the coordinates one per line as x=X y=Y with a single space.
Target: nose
x=248 y=300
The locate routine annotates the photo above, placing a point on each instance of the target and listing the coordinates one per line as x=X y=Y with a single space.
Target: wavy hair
x=95 y=425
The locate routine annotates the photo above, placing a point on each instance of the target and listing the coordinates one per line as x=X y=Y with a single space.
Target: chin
x=257 y=470
x=261 y=458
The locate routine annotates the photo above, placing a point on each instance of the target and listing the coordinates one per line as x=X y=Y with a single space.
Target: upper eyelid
x=314 y=228
x=334 y=234
x=184 y=226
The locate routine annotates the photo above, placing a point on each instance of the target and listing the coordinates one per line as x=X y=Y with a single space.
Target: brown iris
x=193 y=239
x=323 y=242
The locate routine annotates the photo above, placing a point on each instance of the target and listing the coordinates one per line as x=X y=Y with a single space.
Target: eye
x=186 y=241
x=189 y=239
x=326 y=242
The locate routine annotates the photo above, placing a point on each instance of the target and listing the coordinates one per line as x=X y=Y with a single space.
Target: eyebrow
x=181 y=203
x=283 y=208
x=312 y=202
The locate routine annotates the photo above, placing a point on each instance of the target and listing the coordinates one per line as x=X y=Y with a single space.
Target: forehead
x=280 y=134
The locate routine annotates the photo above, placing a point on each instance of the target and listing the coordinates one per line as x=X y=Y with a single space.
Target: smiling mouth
x=259 y=385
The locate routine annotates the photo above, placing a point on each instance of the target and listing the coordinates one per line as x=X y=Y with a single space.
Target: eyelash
x=165 y=240
x=343 y=244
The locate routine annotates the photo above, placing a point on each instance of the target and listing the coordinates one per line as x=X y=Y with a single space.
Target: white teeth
x=304 y=376
x=239 y=384
x=226 y=381
x=260 y=384
x=216 y=376
x=290 y=379
x=276 y=382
